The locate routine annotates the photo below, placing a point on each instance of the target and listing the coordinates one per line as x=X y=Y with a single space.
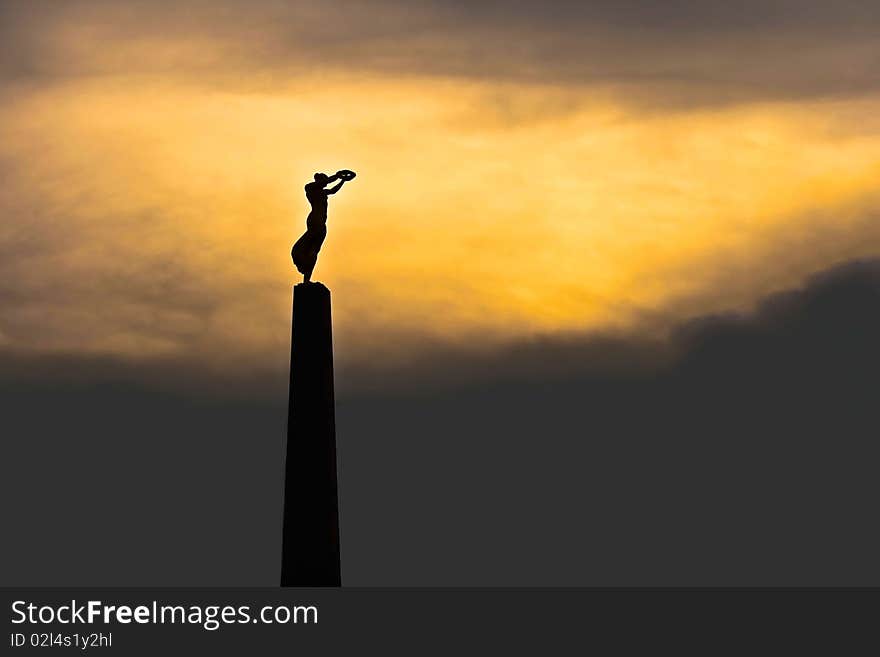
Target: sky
x=745 y=457
x=564 y=211
x=525 y=169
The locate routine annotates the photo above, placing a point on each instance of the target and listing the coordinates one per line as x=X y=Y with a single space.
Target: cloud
x=671 y=54
x=739 y=452
x=150 y=221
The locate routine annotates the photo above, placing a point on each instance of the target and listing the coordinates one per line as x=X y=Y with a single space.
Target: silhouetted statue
x=305 y=251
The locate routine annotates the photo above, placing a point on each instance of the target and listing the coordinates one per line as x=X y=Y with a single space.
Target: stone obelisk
x=310 y=547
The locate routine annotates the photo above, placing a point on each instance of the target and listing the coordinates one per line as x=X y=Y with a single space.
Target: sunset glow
x=490 y=208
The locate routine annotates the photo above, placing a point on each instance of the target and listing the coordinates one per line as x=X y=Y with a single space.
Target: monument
x=310 y=535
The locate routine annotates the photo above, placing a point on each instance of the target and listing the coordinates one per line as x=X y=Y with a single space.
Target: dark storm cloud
x=680 y=53
x=741 y=451
x=746 y=460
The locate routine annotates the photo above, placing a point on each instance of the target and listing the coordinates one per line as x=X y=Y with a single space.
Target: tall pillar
x=310 y=547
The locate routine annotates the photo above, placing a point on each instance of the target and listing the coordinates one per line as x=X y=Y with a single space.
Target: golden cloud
x=147 y=215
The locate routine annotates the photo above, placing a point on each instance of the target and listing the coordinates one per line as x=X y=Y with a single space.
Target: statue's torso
x=318 y=200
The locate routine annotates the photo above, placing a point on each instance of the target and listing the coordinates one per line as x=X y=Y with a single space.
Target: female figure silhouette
x=305 y=251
